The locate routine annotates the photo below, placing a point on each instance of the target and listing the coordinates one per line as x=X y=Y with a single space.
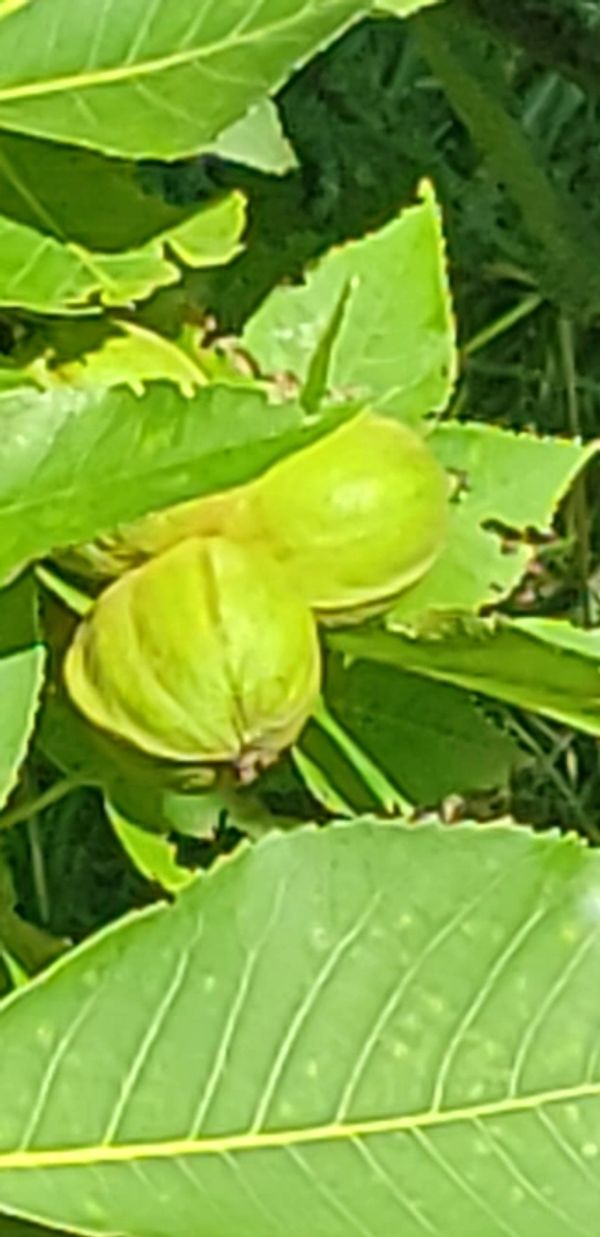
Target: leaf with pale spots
x=374 y=1029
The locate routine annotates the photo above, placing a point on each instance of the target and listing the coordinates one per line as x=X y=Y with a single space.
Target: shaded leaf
x=29 y=947
x=429 y=738
x=546 y=666
x=394 y=346
x=41 y=273
x=152 y=853
x=80 y=195
x=513 y=482
x=158 y=82
x=22 y=662
x=370 y=1029
x=16 y=1228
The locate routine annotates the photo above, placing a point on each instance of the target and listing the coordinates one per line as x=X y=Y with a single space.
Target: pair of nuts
x=207 y=652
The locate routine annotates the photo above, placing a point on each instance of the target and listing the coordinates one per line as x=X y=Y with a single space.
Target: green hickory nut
x=203 y=655
x=357 y=517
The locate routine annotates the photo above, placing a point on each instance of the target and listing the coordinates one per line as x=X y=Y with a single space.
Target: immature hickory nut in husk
x=202 y=655
x=356 y=517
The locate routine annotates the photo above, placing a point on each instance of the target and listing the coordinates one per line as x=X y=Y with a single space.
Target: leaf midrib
x=257 y=1140
x=147 y=68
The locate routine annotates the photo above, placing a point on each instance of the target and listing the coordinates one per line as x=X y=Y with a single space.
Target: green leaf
x=513 y=482
x=384 y=792
x=320 y=780
x=14 y=1228
x=394 y=346
x=38 y=272
x=153 y=82
x=152 y=853
x=135 y=357
x=372 y=1029
x=22 y=662
x=404 y=8
x=429 y=738
x=258 y=141
x=26 y=948
x=106 y=208
x=546 y=666
x=76 y=462
x=211 y=237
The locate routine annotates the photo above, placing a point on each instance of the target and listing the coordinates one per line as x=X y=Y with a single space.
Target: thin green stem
x=502 y=324
x=25 y=811
x=38 y=869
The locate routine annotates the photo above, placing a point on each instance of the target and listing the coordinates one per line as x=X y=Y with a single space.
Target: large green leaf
x=75 y=462
x=155 y=79
x=543 y=665
x=21 y=676
x=394 y=344
x=508 y=483
x=373 y=1029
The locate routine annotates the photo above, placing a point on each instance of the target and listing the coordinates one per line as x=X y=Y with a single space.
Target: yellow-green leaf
x=370 y=1030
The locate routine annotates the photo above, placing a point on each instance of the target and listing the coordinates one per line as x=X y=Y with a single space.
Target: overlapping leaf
x=404 y=8
x=75 y=462
x=408 y=1044
x=546 y=666
x=152 y=80
x=152 y=853
x=69 y=193
x=258 y=141
x=393 y=344
x=428 y=738
x=39 y=272
x=21 y=676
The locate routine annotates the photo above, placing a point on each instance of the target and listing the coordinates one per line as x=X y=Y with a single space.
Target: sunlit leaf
x=394 y=344
x=159 y=82
x=40 y=272
x=372 y=1029
x=257 y=140
x=77 y=461
x=507 y=484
